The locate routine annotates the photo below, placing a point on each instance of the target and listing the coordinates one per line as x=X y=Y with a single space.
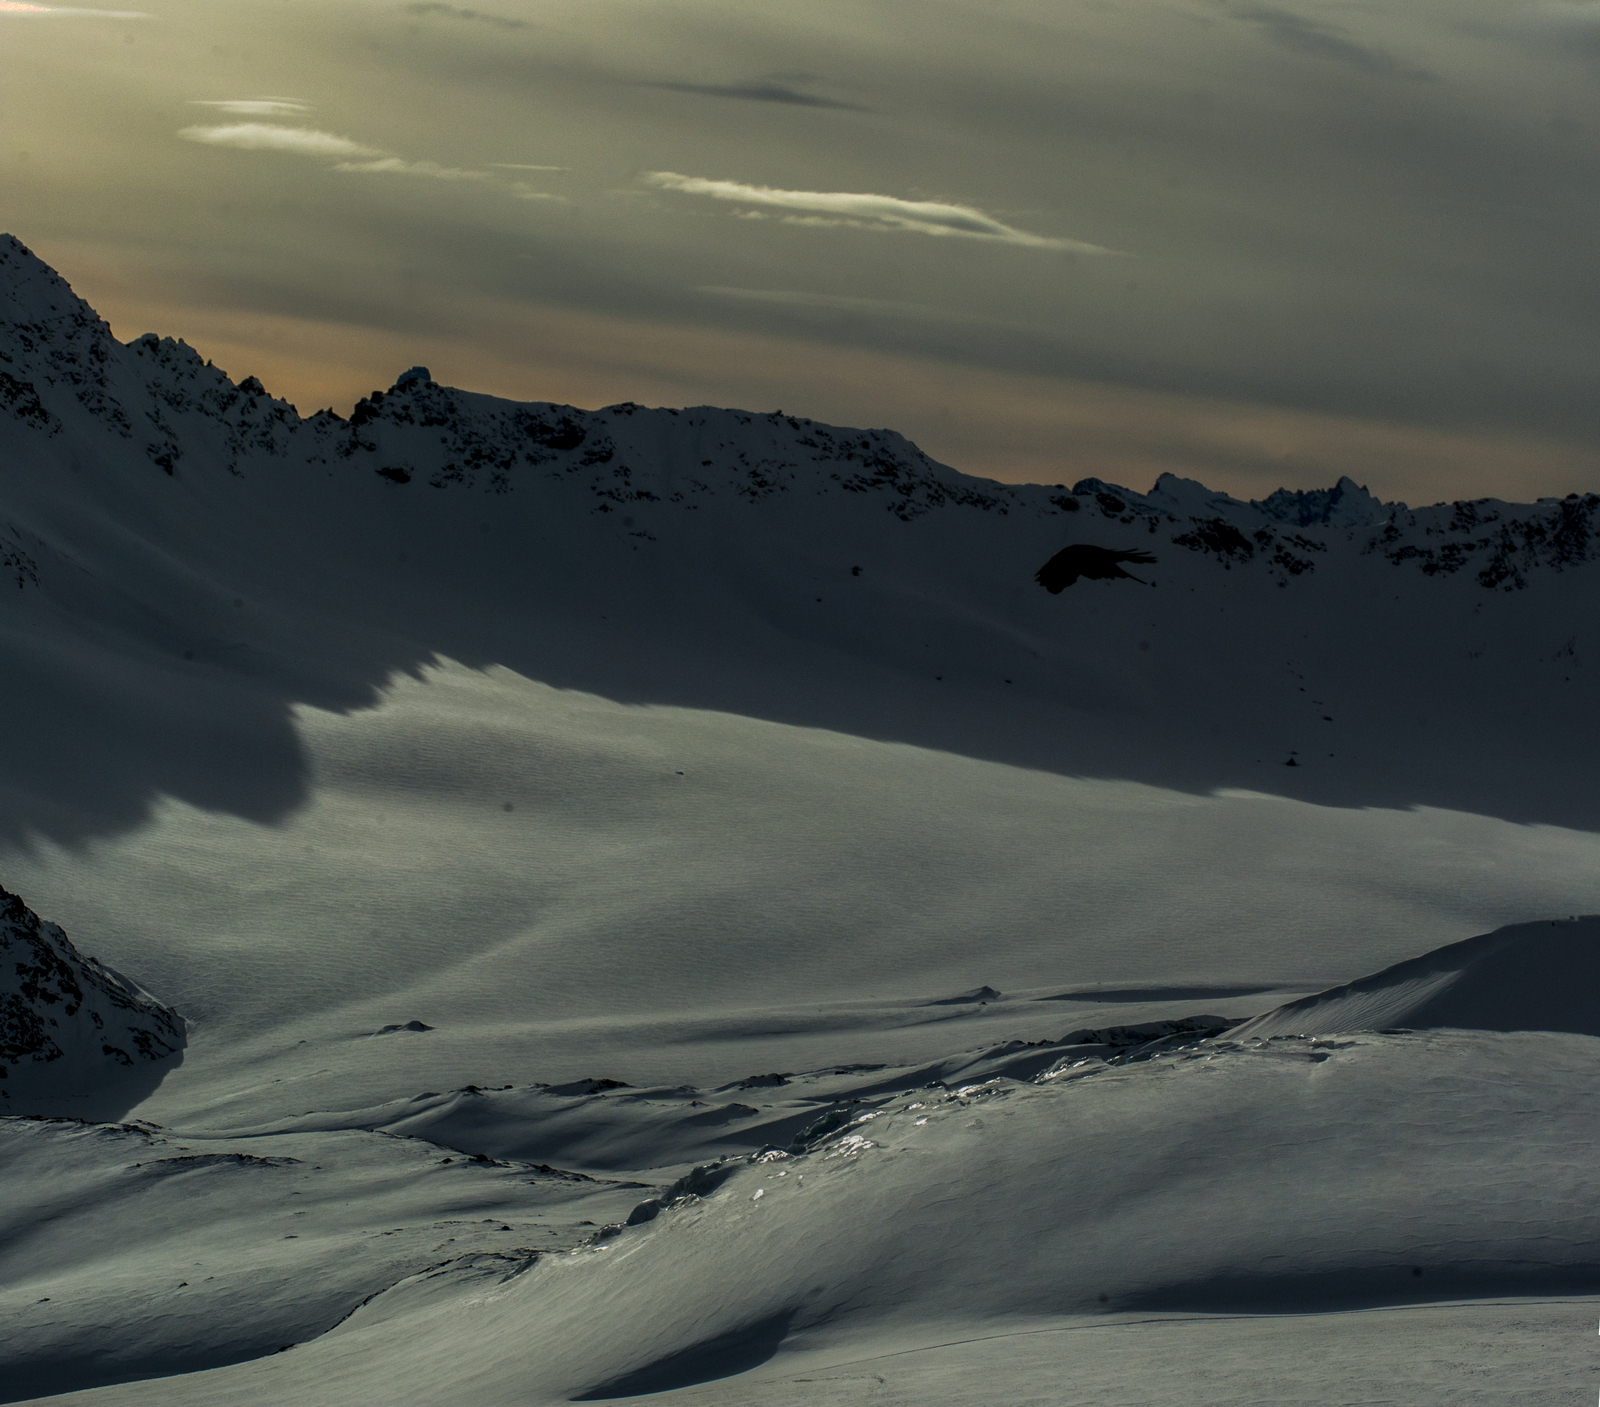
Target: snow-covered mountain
x=664 y=900
x=218 y=552
x=68 y=1021
x=64 y=368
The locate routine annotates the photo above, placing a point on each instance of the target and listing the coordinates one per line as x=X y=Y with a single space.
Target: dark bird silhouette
x=1081 y=559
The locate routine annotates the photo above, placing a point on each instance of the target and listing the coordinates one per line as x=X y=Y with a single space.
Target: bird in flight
x=1082 y=559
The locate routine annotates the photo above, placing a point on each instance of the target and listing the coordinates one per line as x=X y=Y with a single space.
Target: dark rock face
x=1346 y=505
x=60 y=1010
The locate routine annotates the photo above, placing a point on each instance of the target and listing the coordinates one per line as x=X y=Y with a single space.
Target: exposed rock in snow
x=1346 y=505
x=68 y=1016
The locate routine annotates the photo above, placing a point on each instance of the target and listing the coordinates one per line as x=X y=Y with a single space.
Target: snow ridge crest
x=30 y=290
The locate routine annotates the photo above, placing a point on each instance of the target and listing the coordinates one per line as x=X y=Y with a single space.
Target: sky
x=1256 y=244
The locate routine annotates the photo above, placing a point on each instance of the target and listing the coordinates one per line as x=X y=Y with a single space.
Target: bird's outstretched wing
x=1085 y=559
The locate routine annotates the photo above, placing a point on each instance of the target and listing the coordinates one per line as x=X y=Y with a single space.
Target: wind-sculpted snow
x=1524 y=977
x=992 y=1202
x=132 y=1253
x=789 y=1224
x=1019 y=1189
x=68 y=1021
x=1206 y=1176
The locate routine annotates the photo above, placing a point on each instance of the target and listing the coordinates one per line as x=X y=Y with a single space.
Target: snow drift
x=1285 y=1179
x=1524 y=977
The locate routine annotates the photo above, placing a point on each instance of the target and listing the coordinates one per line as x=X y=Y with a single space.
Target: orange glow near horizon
x=1013 y=428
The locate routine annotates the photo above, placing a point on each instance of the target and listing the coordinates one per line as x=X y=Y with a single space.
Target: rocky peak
x=64 y=1014
x=1346 y=505
x=31 y=292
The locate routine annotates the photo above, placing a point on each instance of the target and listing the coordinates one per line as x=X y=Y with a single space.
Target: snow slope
x=612 y=793
x=1217 y=1180
x=193 y=560
x=796 y=899
x=1524 y=977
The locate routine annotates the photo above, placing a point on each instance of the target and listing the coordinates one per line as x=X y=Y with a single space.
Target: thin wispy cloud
x=459 y=12
x=866 y=211
x=21 y=11
x=255 y=107
x=269 y=136
x=762 y=91
x=348 y=155
x=397 y=166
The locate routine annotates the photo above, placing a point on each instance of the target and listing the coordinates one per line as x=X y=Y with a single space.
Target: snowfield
x=638 y=902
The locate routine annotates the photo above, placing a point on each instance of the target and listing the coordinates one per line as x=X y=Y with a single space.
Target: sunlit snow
x=662 y=901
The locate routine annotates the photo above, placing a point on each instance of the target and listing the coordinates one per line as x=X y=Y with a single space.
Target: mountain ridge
x=644 y=881
x=209 y=560
x=56 y=338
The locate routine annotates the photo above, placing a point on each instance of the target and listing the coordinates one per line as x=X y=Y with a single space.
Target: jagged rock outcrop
x=1346 y=505
x=64 y=1014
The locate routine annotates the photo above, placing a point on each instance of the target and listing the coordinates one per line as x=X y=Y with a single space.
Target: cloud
x=255 y=107
x=878 y=212
x=14 y=7
x=394 y=165
x=763 y=91
x=267 y=136
x=1304 y=36
x=519 y=166
x=457 y=12
x=350 y=156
